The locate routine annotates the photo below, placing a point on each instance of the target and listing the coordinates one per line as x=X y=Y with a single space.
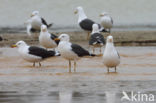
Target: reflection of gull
x=111 y=57
x=110 y=97
x=65 y=97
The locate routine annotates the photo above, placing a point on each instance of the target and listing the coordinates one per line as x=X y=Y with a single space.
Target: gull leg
x=115 y=69
x=88 y=35
x=100 y=50
x=74 y=66
x=34 y=64
x=69 y=66
x=107 y=69
x=93 y=50
x=109 y=31
x=39 y=64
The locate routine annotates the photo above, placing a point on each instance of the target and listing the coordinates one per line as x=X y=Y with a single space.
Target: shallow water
x=51 y=83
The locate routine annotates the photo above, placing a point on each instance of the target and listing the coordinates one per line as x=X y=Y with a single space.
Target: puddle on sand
x=72 y=92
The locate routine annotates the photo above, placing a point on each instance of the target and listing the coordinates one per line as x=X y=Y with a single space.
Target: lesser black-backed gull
x=111 y=57
x=106 y=21
x=46 y=39
x=35 y=22
x=71 y=52
x=33 y=53
x=96 y=38
x=84 y=22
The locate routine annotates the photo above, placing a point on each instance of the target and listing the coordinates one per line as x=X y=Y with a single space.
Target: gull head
x=34 y=13
x=64 y=37
x=95 y=28
x=103 y=14
x=78 y=9
x=110 y=39
x=43 y=28
x=19 y=44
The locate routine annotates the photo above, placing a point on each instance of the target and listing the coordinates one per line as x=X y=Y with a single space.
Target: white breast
x=66 y=51
x=110 y=56
x=106 y=22
x=36 y=22
x=46 y=41
x=23 y=51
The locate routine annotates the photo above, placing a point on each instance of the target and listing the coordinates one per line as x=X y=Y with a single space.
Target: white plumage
x=32 y=53
x=34 y=23
x=46 y=39
x=106 y=21
x=111 y=57
x=70 y=51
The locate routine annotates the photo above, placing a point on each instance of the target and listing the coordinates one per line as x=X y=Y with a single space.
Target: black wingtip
x=92 y=55
x=50 y=25
x=103 y=30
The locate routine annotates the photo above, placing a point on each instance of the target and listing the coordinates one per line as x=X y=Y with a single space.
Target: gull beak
x=44 y=30
x=57 y=40
x=101 y=15
x=31 y=15
x=110 y=40
x=13 y=46
x=75 y=12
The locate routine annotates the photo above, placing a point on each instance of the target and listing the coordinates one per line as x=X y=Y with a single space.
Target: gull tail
x=92 y=55
x=49 y=25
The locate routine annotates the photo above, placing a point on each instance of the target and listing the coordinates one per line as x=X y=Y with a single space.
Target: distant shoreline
x=121 y=38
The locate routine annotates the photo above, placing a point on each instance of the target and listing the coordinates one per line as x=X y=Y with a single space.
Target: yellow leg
x=115 y=69
x=39 y=64
x=93 y=50
x=34 y=64
x=69 y=66
x=100 y=50
x=107 y=69
x=74 y=66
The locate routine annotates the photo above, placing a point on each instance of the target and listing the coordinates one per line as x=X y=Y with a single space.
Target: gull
x=96 y=38
x=33 y=53
x=106 y=21
x=111 y=57
x=69 y=51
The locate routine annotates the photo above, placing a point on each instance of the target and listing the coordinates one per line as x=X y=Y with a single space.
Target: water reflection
x=110 y=97
x=56 y=97
x=65 y=97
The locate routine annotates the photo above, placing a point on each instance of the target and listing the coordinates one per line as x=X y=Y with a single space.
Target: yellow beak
x=56 y=39
x=101 y=15
x=13 y=46
x=31 y=15
x=75 y=12
x=44 y=30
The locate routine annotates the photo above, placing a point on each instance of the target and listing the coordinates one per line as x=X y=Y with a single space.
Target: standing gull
x=111 y=57
x=35 y=22
x=106 y=21
x=46 y=39
x=69 y=51
x=32 y=53
x=96 y=38
x=84 y=22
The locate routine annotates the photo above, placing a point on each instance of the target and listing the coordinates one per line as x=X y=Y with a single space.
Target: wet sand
x=137 y=63
x=20 y=82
